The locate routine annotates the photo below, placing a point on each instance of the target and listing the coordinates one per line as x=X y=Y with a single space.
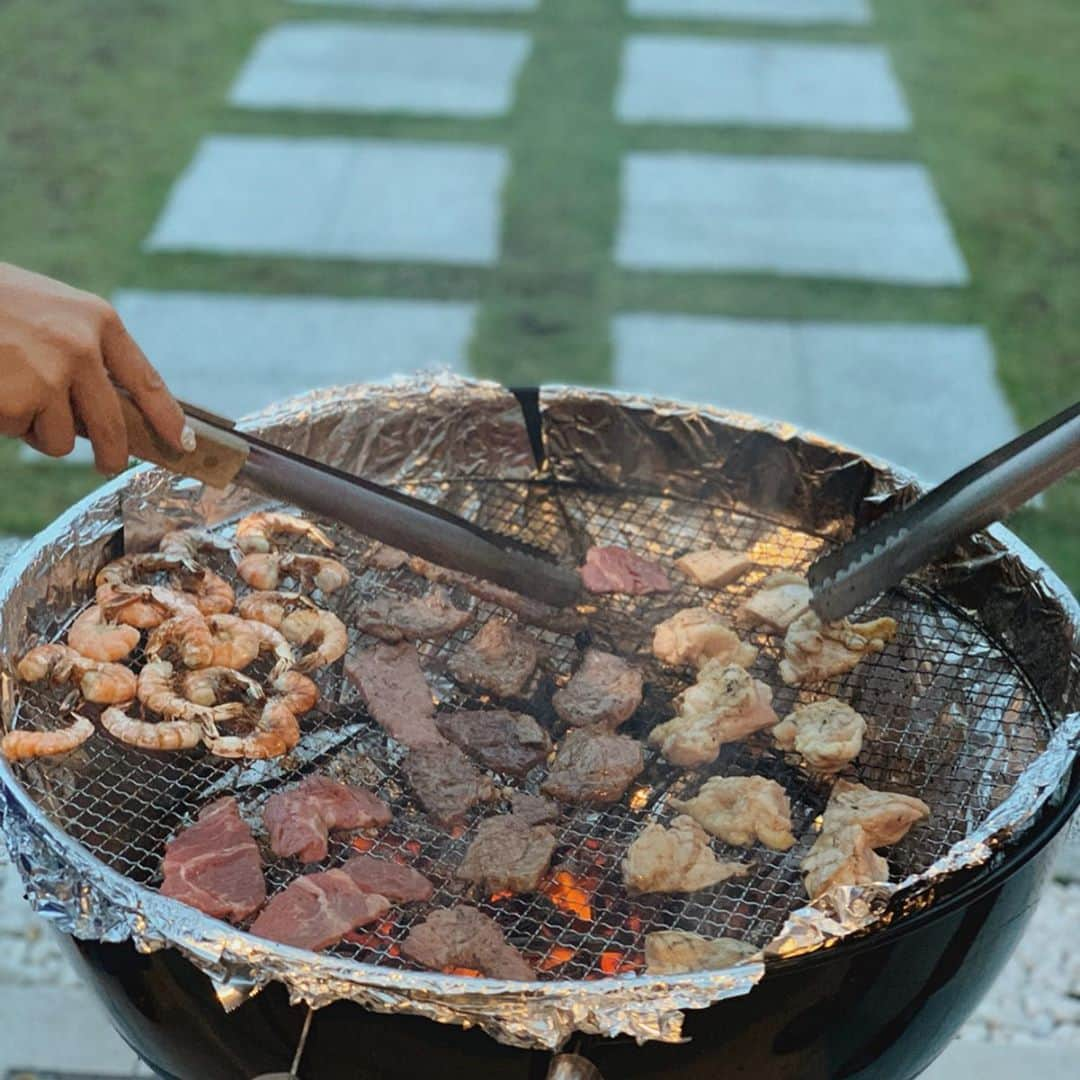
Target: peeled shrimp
x=101 y=683
x=210 y=685
x=157 y=691
x=97 y=639
x=208 y=591
x=148 y=735
x=266 y=570
x=276 y=733
x=143 y=606
x=236 y=642
x=298 y=692
x=256 y=531
x=188 y=635
x=188 y=543
x=22 y=744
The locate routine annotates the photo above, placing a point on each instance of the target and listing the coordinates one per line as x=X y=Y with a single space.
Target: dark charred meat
x=446 y=782
x=507 y=855
x=507 y=742
x=500 y=658
x=299 y=821
x=533 y=809
x=592 y=768
x=603 y=693
x=318 y=910
x=616 y=570
x=396 y=693
x=400 y=884
x=416 y=618
x=463 y=937
x=214 y=865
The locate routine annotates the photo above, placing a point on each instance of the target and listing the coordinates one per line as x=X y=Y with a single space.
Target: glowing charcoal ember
x=569 y=895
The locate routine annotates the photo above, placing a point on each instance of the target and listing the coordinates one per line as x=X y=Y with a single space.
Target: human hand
x=63 y=352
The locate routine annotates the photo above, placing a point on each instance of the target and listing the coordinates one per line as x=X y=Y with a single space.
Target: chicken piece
x=724 y=705
x=828 y=734
x=782 y=598
x=500 y=658
x=593 y=768
x=885 y=816
x=678 y=859
x=842 y=857
x=814 y=651
x=714 y=566
x=507 y=855
x=740 y=810
x=669 y=952
x=696 y=634
x=602 y=694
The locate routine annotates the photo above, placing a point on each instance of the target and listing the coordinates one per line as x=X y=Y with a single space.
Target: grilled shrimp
x=298 y=692
x=22 y=744
x=132 y=569
x=276 y=733
x=101 y=683
x=236 y=641
x=210 y=686
x=320 y=628
x=148 y=735
x=266 y=570
x=143 y=606
x=188 y=543
x=271 y=640
x=157 y=691
x=97 y=639
x=208 y=591
x=256 y=531
x=188 y=636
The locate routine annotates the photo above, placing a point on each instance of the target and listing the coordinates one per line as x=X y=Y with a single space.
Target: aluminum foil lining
x=448 y=428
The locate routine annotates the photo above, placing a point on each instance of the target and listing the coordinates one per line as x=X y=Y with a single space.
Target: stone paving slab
x=690 y=80
x=797 y=12
x=811 y=217
x=964 y=1059
x=337 y=198
x=494 y=6
x=880 y=388
x=337 y=66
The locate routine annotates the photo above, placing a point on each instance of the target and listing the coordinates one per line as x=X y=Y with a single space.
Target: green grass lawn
x=102 y=114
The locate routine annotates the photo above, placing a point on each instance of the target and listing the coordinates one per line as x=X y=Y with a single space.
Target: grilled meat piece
x=696 y=634
x=463 y=937
x=678 y=859
x=500 y=658
x=385 y=557
x=740 y=810
x=814 y=651
x=446 y=782
x=714 y=566
x=299 y=821
x=669 y=952
x=318 y=910
x=724 y=705
x=602 y=694
x=214 y=865
x=396 y=693
x=593 y=768
x=533 y=809
x=507 y=855
x=431 y=617
x=828 y=734
x=399 y=884
x=783 y=597
x=504 y=741
x=616 y=570
x=842 y=856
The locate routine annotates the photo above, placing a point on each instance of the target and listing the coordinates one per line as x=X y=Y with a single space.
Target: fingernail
x=187 y=438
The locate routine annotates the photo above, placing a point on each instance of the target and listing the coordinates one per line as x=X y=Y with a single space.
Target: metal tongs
x=906 y=540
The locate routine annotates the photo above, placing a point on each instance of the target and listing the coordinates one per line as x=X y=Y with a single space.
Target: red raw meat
x=214 y=865
x=616 y=570
x=389 y=879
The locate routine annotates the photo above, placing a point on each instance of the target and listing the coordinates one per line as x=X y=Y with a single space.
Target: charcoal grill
x=971 y=708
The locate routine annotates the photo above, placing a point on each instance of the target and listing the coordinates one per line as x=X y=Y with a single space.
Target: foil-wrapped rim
x=603 y=439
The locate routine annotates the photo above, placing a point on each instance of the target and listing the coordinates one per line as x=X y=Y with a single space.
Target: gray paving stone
x=373 y=68
x=432 y=5
x=337 y=198
x=880 y=388
x=964 y=1059
x=811 y=217
x=690 y=80
x=779 y=11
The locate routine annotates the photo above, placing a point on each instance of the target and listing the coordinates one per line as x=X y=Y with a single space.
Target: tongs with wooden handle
x=986 y=491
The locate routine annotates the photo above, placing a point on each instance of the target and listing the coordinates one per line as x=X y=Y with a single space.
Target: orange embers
x=568 y=894
x=471 y=972
x=504 y=895
x=633 y=923
x=556 y=958
x=363 y=843
x=413 y=846
x=613 y=962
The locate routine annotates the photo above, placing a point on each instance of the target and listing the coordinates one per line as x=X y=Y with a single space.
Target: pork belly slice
x=676 y=860
x=602 y=694
x=827 y=734
x=507 y=854
x=714 y=566
x=214 y=865
x=816 y=650
x=300 y=820
x=696 y=634
x=505 y=741
x=399 y=884
x=464 y=937
x=431 y=617
x=613 y=569
x=396 y=693
x=446 y=782
x=725 y=705
x=741 y=810
x=593 y=768
x=317 y=910
x=669 y=952
x=782 y=598
x=533 y=809
x=499 y=658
